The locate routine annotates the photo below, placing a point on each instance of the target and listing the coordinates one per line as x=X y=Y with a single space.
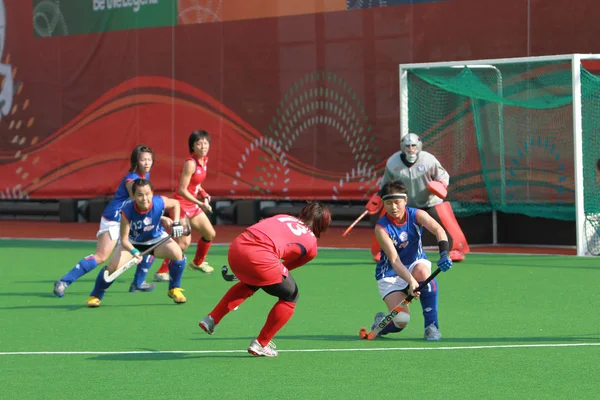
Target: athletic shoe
x=59 y=288
x=161 y=277
x=267 y=351
x=207 y=324
x=204 y=267
x=432 y=333
x=176 y=295
x=93 y=302
x=456 y=255
x=144 y=287
x=378 y=318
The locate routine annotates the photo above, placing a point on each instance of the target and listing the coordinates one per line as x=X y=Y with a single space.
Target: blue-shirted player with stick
x=140 y=230
x=142 y=160
x=403 y=262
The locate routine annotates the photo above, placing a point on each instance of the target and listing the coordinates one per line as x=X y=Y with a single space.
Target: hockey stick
x=395 y=311
x=355 y=222
x=134 y=261
x=228 y=277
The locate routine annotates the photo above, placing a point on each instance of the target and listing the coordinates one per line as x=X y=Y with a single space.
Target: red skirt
x=254 y=261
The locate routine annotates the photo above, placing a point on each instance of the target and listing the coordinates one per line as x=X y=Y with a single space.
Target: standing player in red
x=194 y=201
x=262 y=257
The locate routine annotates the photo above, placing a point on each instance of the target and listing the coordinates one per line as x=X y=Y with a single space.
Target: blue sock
x=175 y=271
x=101 y=285
x=84 y=266
x=390 y=328
x=141 y=271
x=429 y=303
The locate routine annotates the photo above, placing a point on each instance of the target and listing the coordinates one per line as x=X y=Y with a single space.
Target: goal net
x=518 y=135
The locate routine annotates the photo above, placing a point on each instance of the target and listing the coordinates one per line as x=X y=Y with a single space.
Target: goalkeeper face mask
x=411 y=146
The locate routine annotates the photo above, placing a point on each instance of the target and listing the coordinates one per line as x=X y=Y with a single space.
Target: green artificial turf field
x=518 y=327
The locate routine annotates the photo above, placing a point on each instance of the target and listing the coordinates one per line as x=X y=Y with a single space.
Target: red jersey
x=267 y=250
x=288 y=237
x=196 y=179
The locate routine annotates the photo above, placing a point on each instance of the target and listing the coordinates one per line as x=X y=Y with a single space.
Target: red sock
x=233 y=298
x=164 y=267
x=201 y=251
x=280 y=314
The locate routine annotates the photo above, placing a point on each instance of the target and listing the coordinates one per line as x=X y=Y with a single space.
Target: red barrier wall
x=300 y=106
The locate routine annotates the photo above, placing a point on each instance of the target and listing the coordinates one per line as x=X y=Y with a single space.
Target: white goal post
x=494 y=68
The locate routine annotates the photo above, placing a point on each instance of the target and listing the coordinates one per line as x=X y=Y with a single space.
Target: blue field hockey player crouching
x=403 y=262
x=140 y=229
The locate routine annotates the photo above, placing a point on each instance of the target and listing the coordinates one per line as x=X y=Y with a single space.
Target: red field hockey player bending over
x=262 y=257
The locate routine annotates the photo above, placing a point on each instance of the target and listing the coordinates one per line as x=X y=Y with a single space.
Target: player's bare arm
x=390 y=251
x=124 y=228
x=174 y=205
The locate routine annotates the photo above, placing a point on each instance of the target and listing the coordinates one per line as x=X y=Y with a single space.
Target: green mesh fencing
x=505 y=133
x=590 y=110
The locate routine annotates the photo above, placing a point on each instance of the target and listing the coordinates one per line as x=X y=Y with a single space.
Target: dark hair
x=139 y=182
x=316 y=216
x=195 y=136
x=135 y=156
x=598 y=164
x=393 y=187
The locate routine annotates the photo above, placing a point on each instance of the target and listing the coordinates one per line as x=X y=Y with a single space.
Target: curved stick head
x=107 y=276
x=187 y=230
x=227 y=276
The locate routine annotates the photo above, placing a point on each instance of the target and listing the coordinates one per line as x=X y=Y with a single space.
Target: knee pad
x=293 y=298
x=401 y=319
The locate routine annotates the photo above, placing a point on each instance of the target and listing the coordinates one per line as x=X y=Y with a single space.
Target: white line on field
x=501 y=346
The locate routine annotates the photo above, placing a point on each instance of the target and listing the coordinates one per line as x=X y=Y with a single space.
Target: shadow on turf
x=166 y=356
x=329 y=338
x=49 y=294
x=66 y=307
x=75 y=307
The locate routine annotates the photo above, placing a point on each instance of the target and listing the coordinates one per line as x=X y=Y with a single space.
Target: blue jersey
x=145 y=226
x=407 y=241
x=111 y=212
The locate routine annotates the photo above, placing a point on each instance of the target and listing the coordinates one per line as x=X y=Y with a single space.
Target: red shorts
x=189 y=209
x=255 y=262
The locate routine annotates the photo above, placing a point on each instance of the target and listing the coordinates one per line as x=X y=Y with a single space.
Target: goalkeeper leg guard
x=450 y=224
